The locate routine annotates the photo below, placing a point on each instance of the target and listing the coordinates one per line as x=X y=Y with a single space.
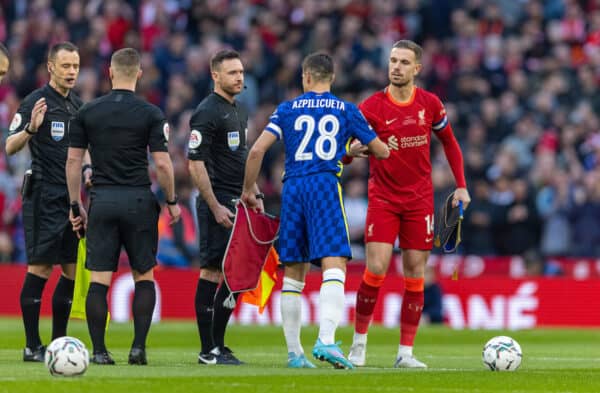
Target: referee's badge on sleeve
x=166 y=130
x=233 y=140
x=57 y=130
x=16 y=122
x=195 y=139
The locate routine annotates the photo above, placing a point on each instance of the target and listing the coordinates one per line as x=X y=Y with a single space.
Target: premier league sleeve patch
x=57 y=130
x=16 y=122
x=195 y=139
x=233 y=140
x=166 y=131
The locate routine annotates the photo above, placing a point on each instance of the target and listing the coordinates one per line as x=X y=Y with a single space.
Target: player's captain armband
x=449 y=229
x=27 y=186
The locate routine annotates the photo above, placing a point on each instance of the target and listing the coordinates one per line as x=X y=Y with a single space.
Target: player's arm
x=366 y=135
x=379 y=149
x=455 y=160
x=253 y=165
x=25 y=130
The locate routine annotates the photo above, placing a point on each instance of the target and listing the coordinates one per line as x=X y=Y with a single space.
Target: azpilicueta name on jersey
x=318 y=103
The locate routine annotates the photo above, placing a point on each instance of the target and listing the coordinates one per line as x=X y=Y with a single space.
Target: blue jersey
x=315 y=128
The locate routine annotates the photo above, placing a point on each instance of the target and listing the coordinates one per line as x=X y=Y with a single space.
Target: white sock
x=404 y=351
x=331 y=300
x=359 y=338
x=291 y=313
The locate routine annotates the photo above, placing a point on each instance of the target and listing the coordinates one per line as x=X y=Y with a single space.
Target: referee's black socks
x=204 y=302
x=144 y=299
x=61 y=306
x=31 y=301
x=224 y=306
x=96 y=310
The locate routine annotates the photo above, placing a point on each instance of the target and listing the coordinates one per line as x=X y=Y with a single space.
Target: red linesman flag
x=248 y=251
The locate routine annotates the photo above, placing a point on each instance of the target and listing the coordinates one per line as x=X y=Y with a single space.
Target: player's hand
x=37 y=114
x=223 y=216
x=357 y=149
x=461 y=194
x=392 y=142
x=78 y=222
x=87 y=177
x=174 y=212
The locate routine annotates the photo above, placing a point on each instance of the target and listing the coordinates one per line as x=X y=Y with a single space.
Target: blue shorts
x=313 y=221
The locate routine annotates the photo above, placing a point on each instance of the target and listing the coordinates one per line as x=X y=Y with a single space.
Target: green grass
x=553 y=361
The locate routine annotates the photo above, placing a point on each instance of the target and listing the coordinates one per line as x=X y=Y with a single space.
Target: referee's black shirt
x=218 y=138
x=49 y=146
x=117 y=129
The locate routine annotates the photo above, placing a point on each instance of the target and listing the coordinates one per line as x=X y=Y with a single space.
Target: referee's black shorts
x=122 y=216
x=213 y=236
x=49 y=236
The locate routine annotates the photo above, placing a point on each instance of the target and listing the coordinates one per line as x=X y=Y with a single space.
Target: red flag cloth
x=248 y=248
x=268 y=277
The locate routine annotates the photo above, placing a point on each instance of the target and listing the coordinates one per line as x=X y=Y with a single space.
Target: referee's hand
x=78 y=222
x=249 y=198
x=174 y=212
x=223 y=216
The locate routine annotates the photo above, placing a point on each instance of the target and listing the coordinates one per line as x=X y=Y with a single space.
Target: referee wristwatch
x=27 y=130
x=173 y=201
x=260 y=195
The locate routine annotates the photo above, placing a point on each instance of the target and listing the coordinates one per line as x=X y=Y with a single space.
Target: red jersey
x=404 y=177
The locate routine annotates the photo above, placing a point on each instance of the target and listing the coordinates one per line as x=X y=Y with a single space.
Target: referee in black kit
x=42 y=122
x=118 y=128
x=217 y=156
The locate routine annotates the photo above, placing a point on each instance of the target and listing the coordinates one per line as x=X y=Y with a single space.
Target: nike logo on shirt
x=388 y=122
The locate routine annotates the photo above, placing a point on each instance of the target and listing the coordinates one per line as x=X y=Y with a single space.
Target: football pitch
x=554 y=360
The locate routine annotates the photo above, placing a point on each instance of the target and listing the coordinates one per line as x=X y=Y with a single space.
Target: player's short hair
x=126 y=62
x=411 y=45
x=54 y=49
x=4 y=50
x=320 y=66
x=222 y=55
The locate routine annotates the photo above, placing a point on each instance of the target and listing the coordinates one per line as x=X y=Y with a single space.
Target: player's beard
x=400 y=84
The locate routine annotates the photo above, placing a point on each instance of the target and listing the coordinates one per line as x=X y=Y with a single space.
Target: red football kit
x=400 y=187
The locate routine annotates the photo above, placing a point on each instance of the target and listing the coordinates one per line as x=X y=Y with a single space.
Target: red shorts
x=413 y=225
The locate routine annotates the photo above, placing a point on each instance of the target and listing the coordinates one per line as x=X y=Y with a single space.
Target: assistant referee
x=217 y=156
x=118 y=128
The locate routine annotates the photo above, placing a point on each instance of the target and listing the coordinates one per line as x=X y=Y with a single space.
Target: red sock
x=412 y=307
x=366 y=299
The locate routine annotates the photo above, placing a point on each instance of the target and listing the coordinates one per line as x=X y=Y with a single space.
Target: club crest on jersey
x=421 y=117
x=57 y=130
x=421 y=114
x=233 y=140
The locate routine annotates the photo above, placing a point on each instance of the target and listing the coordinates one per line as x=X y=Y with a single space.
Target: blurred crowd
x=520 y=80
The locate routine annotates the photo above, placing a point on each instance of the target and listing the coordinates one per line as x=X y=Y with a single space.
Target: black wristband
x=172 y=202
x=27 y=130
x=260 y=195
